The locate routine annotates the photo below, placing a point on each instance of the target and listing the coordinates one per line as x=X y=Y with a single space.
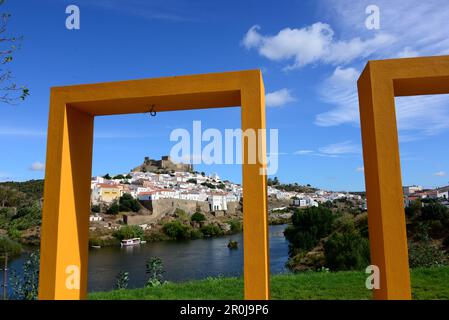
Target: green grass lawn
x=427 y=283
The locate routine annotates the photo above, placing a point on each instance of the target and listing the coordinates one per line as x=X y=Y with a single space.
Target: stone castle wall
x=164 y=207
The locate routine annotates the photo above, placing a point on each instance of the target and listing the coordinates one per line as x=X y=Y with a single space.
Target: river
x=183 y=260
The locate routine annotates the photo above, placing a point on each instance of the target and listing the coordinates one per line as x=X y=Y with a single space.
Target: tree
x=114 y=208
x=414 y=208
x=128 y=203
x=198 y=217
x=119 y=177
x=309 y=226
x=11 y=92
x=107 y=176
x=7 y=248
x=347 y=250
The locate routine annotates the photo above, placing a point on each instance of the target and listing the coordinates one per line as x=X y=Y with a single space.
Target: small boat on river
x=130 y=242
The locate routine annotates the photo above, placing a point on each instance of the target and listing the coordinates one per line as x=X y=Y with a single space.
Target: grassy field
x=428 y=283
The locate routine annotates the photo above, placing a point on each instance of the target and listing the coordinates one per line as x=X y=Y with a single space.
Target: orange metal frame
x=379 y=83
x=65 y=225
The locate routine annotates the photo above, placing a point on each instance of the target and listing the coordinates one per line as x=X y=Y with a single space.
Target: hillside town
x=180 y=184
x=415 y=192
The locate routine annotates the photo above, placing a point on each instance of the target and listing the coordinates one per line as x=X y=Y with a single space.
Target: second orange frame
x=379 y=83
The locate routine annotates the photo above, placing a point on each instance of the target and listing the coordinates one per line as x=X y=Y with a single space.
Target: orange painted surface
x=64 y=241
x=379 y=83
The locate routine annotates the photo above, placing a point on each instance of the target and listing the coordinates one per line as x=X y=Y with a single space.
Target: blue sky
x=311 y=54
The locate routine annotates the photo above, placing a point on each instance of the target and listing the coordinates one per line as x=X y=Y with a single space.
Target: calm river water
x=194 y=259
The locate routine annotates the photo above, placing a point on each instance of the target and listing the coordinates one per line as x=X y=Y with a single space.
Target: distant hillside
x=34 y=189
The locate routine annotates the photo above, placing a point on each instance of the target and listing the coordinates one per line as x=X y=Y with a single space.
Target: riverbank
x=427 y=284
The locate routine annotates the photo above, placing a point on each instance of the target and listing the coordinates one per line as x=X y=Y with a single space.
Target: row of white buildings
x=310 y=199
x=148 y=186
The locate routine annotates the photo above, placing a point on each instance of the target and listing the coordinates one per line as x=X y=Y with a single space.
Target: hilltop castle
x=165 y=164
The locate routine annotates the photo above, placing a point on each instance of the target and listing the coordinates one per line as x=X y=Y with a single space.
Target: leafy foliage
x=9 y=247
x=211 y=230
x=11 y=92
x=176 y=230
x=128 y=203
x=129 y=232
x=347 y=250
x=309 y=226
x=435 y=211
x=25 y=287
x=198 y=217
x=33 y=189
x=155 y=271
x=114 y=208
x=122 y=280
x=236 y=225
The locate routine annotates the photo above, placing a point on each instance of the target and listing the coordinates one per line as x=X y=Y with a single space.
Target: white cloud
x=340 y=148
x=303 y=152
x=278 y=98
x=37 y=166
x=412 y=113
x=334 y=150
x=407 y=29
x=21 y=132
x=360 y=169
x=440 y=174
x=340 y=89
x=313 y=44
x=408 y=53
x=416 y=27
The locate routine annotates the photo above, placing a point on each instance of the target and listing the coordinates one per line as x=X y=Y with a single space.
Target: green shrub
x=198 y=217
x=435 y=211
x=113 y=208
x=129 y=232
x=14 y=233
x=95 y=208
x=347 y=250
x=211 y=230
x=26 y=217
x=236 y=225
x=155 y=235
x=196 y=234
x=309 y=226
x=425 y=254
x=181 y=215
x=176 y=230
